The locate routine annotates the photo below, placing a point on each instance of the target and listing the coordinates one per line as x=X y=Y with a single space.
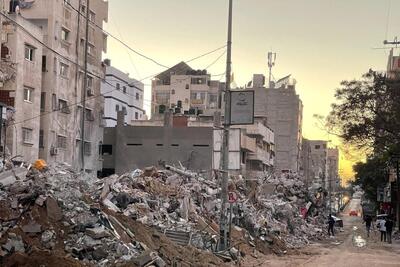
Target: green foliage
x=367 y=112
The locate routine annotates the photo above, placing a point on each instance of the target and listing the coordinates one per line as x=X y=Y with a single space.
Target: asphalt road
x=350 y=247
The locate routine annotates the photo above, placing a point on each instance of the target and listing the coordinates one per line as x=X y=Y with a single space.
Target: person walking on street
x=331 y=223
x=389 y=228
x=381 y=226
x=368 y=222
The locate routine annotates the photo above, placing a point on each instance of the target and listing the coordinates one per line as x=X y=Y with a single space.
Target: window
x=89 y=115
x=106 y=150
x=187 y=86
x=54 y=102
x=317 y=146
x=83 y=9
x=44 y=64
x=172 y=91
x=198 y=81
x=92 y=16
x=87 y=147
x=136 y=116
x=41 y=139
x=137 y=96
x=213 y=100
x=29 y=52
x=27 y=135
x=124 y=89
x=117 y=108
x=118 y=86
x=64 y=70
x=91 y=50
x=42 y=101
x=197 y=97
x=61 y=141
x=124 y=110
x=64 y=34
x=162 y=98
x=28 y=94
x=63 y=106
x=89 y=82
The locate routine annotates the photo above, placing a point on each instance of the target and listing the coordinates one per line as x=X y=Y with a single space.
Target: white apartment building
x=185 y=91
x=60 y=94
x=121 y=93
x=283 y=109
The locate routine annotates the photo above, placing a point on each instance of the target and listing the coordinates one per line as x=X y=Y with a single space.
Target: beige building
x=20 y=86
x=185 y=91
x=333 y=169
x=283 y=109
x=61 y=65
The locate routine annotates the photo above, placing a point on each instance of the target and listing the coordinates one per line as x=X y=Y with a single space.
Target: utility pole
x=223 y=224
x=85 y=88
x=271 y=63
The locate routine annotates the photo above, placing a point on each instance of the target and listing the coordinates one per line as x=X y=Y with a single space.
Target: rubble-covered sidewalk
x=148 y=218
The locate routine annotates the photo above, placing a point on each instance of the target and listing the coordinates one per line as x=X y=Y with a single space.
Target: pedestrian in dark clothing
x=389 y=228
x=382 y=228
x=331 y=223
x=368 y=222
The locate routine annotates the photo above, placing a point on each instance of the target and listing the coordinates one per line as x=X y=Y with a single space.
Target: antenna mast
x=271 y=63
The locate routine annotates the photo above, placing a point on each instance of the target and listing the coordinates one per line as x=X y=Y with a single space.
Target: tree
x=367 y=112
x=371 y=174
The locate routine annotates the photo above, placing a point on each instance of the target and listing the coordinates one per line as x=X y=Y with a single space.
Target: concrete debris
x=96 y=221
x=32 y=227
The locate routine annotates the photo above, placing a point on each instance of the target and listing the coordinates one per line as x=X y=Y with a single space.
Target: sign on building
x=242 y=107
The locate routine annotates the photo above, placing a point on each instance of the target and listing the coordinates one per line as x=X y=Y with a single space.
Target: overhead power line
x=117 y=39
x=90 y=73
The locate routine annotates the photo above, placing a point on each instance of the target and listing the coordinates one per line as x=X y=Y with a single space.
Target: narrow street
x=351 y=247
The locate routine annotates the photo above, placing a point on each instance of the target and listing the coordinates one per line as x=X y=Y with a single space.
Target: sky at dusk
x=319 y=42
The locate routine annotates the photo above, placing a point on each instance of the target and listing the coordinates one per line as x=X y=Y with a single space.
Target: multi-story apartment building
x=128 y=97
x=283 y=109
x=185 y=90
x=333 y=169
x=305 y=162
x=60 y=94
x=20 y=85
x=319 y=162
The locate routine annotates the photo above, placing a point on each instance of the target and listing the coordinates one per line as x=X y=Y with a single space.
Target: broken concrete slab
x=54 y=212
x=32 y=228
x=97 y=233
x=143 y=259
x=40 y=200
x=11 y=176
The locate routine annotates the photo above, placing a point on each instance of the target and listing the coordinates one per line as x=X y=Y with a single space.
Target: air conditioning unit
x=90 y=92
x=53 y=151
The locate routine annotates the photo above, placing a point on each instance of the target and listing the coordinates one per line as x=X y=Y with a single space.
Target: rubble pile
x=277 y=211
x=149 y=216
x=53 y=211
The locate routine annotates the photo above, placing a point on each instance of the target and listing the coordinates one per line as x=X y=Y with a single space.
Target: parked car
x=353 y=213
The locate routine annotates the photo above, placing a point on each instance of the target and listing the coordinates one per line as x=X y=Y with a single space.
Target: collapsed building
x=164 y=217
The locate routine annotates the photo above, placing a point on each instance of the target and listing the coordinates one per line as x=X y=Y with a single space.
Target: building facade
x=333 y=169
x=20 y=86
x=319 y=162
x=60 y=95
x=188 y=141
x=284 y=111
x=128 y=97
x=185 y=91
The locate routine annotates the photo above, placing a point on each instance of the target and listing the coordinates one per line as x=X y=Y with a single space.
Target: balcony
x=247 y=143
